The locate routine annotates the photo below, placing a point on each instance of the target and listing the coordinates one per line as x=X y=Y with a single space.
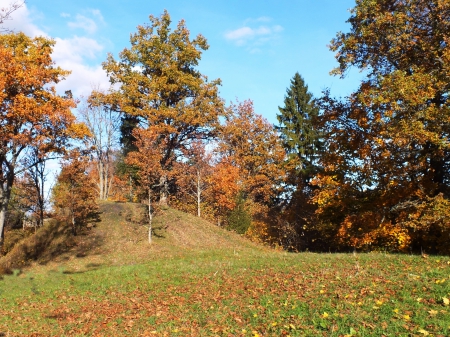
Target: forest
x=367 y=172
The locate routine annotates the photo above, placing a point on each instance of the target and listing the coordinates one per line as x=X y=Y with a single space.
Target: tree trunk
x=131 y=188
x=74 y=228
x=150 y=216
x=164 y=190
x=101 y=182
x=199 y=193
x=2 y=225
x=5 y=193
x=108 y=180
x=41 y=194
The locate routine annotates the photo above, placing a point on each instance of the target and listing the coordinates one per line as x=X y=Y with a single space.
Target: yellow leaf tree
x=388 y=157
x=161 y=90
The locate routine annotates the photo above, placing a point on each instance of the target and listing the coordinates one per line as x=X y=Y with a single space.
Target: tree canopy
x=161 y=87
x=387 y=163
x=33 y=118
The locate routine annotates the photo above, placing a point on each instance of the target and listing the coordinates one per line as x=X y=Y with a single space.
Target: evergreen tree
x=301 y=140
x=300 y=137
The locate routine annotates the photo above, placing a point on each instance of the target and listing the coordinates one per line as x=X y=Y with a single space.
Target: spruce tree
x=300 y=137
x=301 y=140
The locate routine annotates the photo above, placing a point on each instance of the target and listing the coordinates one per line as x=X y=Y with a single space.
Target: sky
x=256 y=47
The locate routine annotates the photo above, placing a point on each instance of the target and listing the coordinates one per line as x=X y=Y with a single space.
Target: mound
x=121 y=237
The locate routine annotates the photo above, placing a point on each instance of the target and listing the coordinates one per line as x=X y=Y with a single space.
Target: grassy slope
x=122 y=238
x=198 y=280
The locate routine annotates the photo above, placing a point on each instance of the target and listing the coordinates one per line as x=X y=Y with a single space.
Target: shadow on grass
x=158 y=231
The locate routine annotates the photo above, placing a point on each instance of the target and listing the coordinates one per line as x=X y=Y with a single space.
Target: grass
x=209 y=282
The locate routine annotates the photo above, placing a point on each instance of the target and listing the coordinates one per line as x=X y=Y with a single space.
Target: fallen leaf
x=424 y=332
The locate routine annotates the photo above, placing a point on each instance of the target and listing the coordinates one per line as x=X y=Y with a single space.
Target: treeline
x=367 y=172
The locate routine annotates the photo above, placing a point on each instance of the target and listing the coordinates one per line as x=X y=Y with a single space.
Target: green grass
x=232 y=289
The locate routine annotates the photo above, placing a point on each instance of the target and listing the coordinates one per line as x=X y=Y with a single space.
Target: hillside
x=121 y=238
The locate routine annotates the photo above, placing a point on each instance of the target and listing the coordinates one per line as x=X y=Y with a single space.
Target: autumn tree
x=99 y=113
x=388 y=152
x=250 y=143
x=162 y=90
x=74 y=195
x=147 y=158
x=223 y=188
x=34 y=183
x=33 y=118
x=194 y=171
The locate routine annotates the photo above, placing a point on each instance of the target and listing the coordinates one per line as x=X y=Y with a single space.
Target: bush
x=240 y=218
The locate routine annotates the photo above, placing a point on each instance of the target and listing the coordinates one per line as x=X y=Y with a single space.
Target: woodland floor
x=199 y=280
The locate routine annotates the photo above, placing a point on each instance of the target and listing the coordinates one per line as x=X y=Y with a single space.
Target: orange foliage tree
x=148 y=160
x=74 y=195
x=223 y=188
x=388 y=148
x=250 y=143
x=33 y=118
x=193 y=178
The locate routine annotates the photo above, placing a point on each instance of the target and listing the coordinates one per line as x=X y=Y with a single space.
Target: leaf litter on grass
x=296 y=295
x=210 y=282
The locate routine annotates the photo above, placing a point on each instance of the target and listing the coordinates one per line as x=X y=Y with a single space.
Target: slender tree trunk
x=74 y=228
x=101 y=182
x=150 y=216
x=108 y=186
x=199 y=194
x=107 y=181
x=3 y=210
x=41 y=195
x=164 y=190
x=5 y=194
x=131 y=189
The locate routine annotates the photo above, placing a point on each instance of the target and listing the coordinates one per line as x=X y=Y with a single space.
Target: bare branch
x=5 y=13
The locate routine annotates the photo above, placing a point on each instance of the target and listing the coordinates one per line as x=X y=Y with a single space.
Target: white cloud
x=240 y=33
x=83 y=79
x=21 y=21
x=97 y=14
x=254 y=36
x=277 y=29
x=83 y=22
x=65 y=15
x=76 y=49
x=72 y=54
x=77 y=53
x=89 y=22
x=260 y=19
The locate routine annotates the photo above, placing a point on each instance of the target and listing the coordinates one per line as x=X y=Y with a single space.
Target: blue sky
x=255 y=46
